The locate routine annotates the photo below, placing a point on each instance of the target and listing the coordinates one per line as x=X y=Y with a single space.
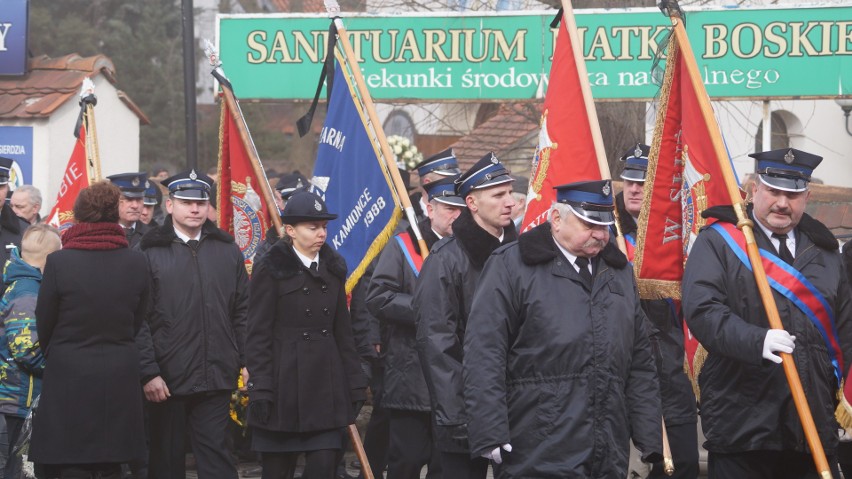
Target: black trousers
x=412 y=445
x=321 y=464
x=683 y=440
x=765 y=465
x=79 y=471
x=205 y=416
x=461 y=466
x=13 y=432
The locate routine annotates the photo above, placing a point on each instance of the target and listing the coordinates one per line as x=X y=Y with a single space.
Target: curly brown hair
x=97 y=204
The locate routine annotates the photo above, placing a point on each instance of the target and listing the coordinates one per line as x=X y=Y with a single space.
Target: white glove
x=777 y=340
x=495 y=454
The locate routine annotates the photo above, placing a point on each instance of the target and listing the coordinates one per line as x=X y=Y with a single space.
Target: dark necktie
x=583 y=264
x=783 y=251
x=128 y=231
x=314 y=265
x=193 y=244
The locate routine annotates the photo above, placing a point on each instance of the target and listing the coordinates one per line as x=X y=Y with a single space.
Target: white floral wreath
x=407 y=155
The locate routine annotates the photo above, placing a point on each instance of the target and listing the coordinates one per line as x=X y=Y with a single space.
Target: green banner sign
x=742 y=53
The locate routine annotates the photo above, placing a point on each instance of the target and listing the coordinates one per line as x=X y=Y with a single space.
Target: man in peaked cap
x=442 y=299
x=666 y=332
x=11 y=226
x=551 y=393
x=389 y=299
x=151 y=213
x=747 y=411
x=131 y=203
x=287 y=185
x=192 y=342
x=433 y=168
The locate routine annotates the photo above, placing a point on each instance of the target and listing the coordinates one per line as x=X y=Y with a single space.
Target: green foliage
x=143 y=39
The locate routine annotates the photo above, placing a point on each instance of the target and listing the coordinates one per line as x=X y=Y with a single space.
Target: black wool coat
x=300 y=351
x=12 y=228
x=90 y=305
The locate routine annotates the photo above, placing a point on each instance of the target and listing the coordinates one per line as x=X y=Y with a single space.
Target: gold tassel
x=843 y=413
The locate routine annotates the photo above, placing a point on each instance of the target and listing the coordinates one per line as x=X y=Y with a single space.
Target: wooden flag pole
x=333 y=11
x=93 y=158
x=591 y=112
x=237 y=114
x=745 y=224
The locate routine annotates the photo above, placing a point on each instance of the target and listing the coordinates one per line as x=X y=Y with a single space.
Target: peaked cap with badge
x=635 y=163
x=485 y=173
x=189 y=185
x=132 y=185
x=591 y=201
x=444 y=191
x=305 y=206
x=289 y=183
x=5 y=169
x=787 y=169
x=443 y=163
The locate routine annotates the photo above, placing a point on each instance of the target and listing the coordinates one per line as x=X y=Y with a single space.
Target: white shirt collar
x=436 y=234
x=791 y=238
x=305 y=260
x=571 y=257
x=186 y=238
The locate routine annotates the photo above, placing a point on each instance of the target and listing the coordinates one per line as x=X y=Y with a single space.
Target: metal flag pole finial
x=88 y=88
x=332 y=7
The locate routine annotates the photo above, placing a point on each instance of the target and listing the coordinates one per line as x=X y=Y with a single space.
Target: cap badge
x=789 y=157
x=317 y=205
x=147 y=184
x=135 y=182
x=493 y=159
x=606 y=189
x=638 y=151
x=299 y=183
x=193 y=175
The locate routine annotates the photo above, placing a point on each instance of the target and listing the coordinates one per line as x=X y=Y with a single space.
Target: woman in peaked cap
x=305 y=376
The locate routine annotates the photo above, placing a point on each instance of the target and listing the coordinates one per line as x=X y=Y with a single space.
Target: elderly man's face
x=23 y=206
x=579 y=237
x=779 y=211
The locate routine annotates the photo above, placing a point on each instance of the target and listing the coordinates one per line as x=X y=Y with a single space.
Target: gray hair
x=563 y=209
x=33 y=193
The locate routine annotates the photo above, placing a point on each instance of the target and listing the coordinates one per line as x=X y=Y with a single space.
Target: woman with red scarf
x=92 y=301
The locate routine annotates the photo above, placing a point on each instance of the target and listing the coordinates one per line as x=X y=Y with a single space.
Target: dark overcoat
x=442 y=298
x=390 y=299
x=194 y=333
x=746 y=403
x=301 y=355
x=12 y=228
x=90 y=306
x=560 y=371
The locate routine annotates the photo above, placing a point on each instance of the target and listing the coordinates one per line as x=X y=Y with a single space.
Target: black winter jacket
x=746 y=403
x=442 y=298
x=301 y=355
x=194 y=334
x=562 y=373
x=390 y=300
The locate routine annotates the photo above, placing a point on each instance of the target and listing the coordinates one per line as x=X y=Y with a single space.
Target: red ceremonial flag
x=566 y=150
x=243 y=211
x=684 y=178
x=76 y=178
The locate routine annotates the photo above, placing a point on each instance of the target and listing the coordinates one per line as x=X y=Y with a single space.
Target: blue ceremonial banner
x=350 y=176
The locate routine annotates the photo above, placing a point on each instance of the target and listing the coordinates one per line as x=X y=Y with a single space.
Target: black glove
x=259 y=411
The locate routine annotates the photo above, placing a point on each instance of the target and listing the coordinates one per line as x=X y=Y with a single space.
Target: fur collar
x=282 y=262
x=813 y=229
x=477 y=243
x=429 y=236
x=164 y=235
x=537 y=246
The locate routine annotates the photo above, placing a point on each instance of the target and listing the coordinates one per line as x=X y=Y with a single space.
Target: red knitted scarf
x=94 y=236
